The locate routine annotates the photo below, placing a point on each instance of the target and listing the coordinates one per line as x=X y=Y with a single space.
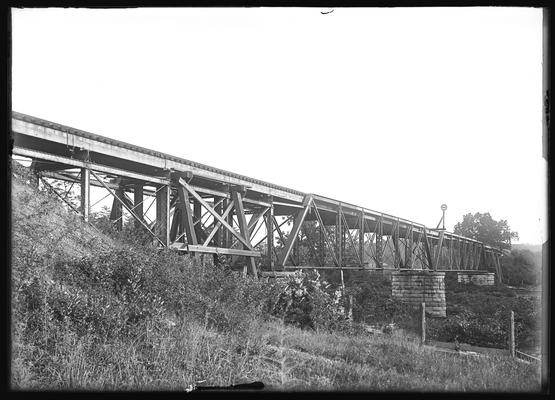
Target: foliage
x=129 y=234
x=373 y=304
x=307 y=302
x=520 y=268
x=479 y=315
x=484 y=228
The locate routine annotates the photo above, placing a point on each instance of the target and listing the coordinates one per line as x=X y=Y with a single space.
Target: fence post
x=512 y=335
x=423 y=323
x=342 y=281
x=350 y=315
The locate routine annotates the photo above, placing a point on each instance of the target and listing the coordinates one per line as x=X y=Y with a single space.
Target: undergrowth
x=480 y=315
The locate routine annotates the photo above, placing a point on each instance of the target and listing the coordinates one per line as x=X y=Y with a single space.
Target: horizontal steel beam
x=276 y=274
x=83 y=164
x=279 y=203
x=214 y=250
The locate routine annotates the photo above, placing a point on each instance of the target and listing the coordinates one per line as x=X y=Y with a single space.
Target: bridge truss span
x=258 y=225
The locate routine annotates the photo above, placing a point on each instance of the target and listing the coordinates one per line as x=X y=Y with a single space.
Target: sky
x=395 y=109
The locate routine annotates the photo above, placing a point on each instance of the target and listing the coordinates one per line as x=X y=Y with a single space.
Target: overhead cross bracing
x=202 y=209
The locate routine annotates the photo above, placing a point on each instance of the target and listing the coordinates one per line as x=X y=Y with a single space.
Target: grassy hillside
x=93 y=312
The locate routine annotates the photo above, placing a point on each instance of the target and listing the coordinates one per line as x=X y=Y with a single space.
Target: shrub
x=373 y=304
x=479 y=315
x=306 y=302
x=148 y=284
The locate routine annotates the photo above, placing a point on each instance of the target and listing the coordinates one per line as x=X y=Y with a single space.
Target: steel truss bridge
x=202 y=209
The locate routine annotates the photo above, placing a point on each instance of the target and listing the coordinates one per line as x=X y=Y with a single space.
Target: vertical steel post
x=224 y=233
x=186 y=215
x=175 y=224
x=379 y=243
x=197 y=213
x=339 y=237
x=428 y=252
x=229 y=220
x=138 y=203
x=479 y=250
x=439 y=250
x=163 y=214
x=343 y=231
x=237 y=195
x=322 y=245
x=270 y=235
x=117 y=209
x=471 y=256
x=219 y=209
x=361 y=238
x=458 y=254
x=85 y=193
x=450 y=253
x=296 y=247
x=408 y=248
x=396 y=250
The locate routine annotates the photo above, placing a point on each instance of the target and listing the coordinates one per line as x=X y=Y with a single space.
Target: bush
x=373 y=304
x=150 y=284
x=306 y=302
x=129 y=235
x=479 y=315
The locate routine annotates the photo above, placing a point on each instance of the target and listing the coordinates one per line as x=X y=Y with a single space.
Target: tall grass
x=284 y=358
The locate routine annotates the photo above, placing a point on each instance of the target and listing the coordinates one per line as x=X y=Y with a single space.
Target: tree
x=484 y=228
x=521 y=268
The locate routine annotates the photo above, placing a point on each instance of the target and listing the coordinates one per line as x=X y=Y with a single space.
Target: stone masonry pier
x=418 y=286
x=481 y=279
